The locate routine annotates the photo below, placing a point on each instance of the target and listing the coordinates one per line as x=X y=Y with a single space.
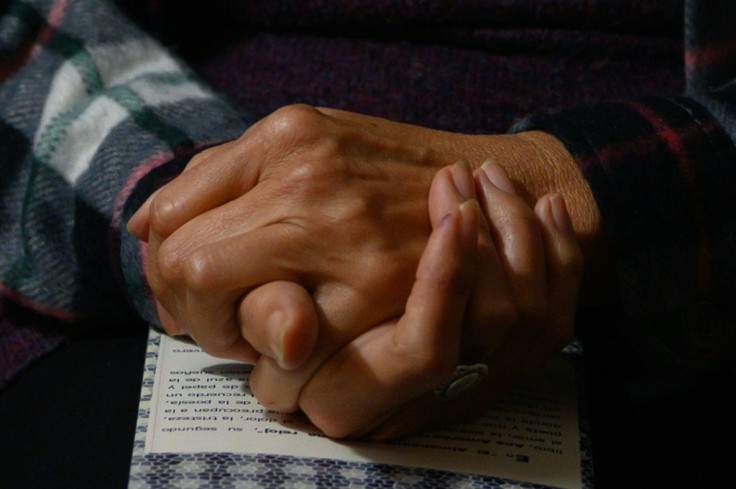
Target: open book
x=199 y=424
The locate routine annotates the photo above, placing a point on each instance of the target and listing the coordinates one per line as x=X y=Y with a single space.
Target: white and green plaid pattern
x=95 y=106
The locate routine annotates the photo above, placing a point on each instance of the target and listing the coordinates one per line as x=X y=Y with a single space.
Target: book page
x=204 y=404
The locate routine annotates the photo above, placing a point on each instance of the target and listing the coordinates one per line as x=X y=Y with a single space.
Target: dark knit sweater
x=660 y=166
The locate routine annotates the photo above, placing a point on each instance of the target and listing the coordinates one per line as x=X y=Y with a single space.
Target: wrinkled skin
x=301 y=239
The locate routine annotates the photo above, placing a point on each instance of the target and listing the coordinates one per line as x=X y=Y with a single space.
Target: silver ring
x=465 y=377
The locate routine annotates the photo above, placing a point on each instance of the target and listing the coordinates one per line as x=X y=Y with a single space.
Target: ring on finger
x=465 y=377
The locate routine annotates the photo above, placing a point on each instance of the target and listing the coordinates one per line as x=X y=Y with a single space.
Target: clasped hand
x=348 y=260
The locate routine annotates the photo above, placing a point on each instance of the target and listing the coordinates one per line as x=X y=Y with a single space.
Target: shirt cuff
x=662 y=171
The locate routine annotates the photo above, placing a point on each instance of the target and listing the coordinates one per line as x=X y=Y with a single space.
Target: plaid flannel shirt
x=91 y=108
x=663 y=173
x=94 y=115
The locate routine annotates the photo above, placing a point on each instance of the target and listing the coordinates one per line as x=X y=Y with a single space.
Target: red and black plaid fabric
x=663 y=172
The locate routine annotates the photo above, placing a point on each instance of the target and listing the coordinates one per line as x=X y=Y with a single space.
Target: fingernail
x=137 y=225
x=488 y=161
x=462 y=175
x=497 y=176
x=560 y=214
x=276 y=322
x=133 y=225
x=469 y=214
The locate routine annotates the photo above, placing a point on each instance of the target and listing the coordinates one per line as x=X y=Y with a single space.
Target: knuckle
x=200 y=270
x=164 y=208
x=321 y=164
x=197 y=159
x=169 y=262
x=295 y=120
x=306 y=174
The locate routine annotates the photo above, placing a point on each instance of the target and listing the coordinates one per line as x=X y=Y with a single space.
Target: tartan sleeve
x=663 y=173
x=94 y=115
